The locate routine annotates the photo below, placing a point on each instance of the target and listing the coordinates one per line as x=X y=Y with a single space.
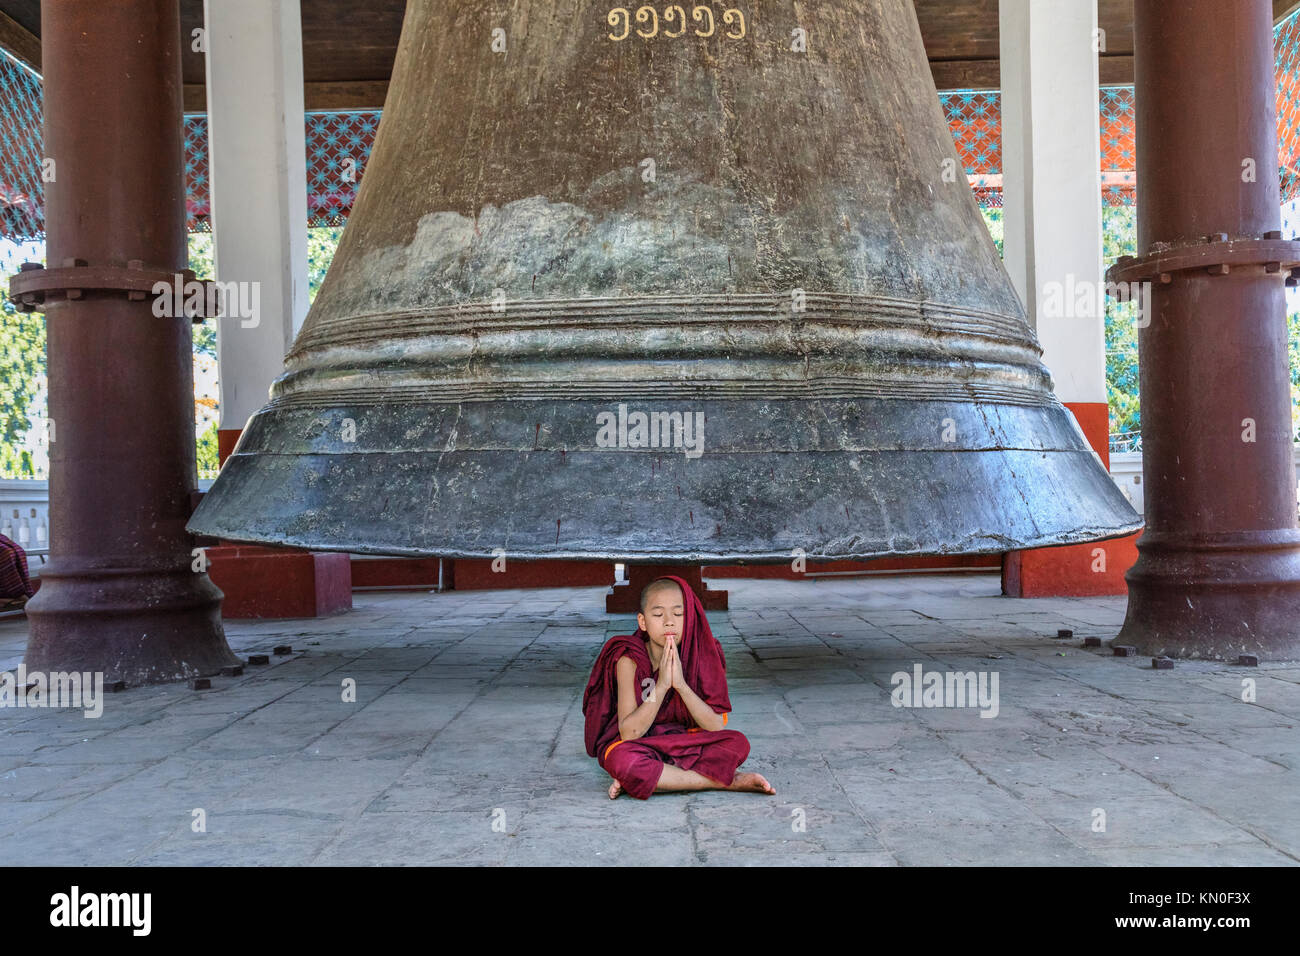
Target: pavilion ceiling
x=349 y=47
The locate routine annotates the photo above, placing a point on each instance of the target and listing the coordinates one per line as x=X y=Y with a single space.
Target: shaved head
x=654 y=587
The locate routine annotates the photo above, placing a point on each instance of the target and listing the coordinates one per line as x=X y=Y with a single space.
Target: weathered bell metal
x=672 y=283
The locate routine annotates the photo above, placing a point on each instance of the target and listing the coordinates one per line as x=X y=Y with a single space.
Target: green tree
x=206 y=451
x=22 y=369
x=993 y=220
x=1119 y=238
x=205 y=357
x=200 y=255
x=322 y=243
x=22 y=366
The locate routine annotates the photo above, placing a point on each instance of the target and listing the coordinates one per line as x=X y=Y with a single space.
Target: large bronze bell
x=672 y=282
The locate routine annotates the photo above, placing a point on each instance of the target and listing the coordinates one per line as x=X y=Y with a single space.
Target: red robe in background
x=674 y=736
x=14 y=580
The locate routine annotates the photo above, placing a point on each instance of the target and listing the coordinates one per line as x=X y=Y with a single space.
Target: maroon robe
x=674 y=737
x=14 y=580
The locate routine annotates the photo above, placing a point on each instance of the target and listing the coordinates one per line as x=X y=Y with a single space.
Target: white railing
x=1126 y=469
x=25 y=516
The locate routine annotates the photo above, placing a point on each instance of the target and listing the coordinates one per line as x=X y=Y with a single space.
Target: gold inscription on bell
x=674 y=23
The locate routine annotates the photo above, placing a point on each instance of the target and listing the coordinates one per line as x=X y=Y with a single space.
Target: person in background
x=15 y=584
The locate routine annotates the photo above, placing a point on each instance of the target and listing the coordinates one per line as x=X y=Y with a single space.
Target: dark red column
x=120 y=595
x=1218 y=571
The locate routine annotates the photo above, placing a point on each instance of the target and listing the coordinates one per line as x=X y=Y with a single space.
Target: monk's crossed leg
x=721 y=754
x=698 y=761
x=636 y=766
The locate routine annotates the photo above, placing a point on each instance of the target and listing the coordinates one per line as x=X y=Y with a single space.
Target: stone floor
x=464 y=745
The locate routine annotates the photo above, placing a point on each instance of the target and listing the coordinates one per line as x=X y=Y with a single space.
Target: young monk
x=657 y=703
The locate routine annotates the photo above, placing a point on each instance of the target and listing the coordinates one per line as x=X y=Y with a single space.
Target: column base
x=626 y=598
x=260 y=582
x=1216 y=597
x=133 y=625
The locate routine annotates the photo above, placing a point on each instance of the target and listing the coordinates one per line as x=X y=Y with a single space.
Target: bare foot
x=751 y=783
x=615 y=789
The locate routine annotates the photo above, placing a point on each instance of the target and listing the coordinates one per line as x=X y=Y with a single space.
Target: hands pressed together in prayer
x=670 y=670
x=672 y=677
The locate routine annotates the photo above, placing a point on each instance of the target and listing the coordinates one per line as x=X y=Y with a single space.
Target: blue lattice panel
x=22 y=194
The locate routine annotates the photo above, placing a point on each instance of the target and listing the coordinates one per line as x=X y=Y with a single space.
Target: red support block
x=626 y=598
x=954 y=562
x=1075 y=570
x=260 y=582
x=476 y=574
x=415 y=574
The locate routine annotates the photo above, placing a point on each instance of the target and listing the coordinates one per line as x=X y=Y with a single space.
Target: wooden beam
x=970 y=73
x=1114 y=70
x=16 y=39
x=343 y=95
x=349 y=95
x=966 y=74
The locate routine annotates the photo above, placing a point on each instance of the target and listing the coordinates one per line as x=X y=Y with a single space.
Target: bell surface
x=664 y=283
